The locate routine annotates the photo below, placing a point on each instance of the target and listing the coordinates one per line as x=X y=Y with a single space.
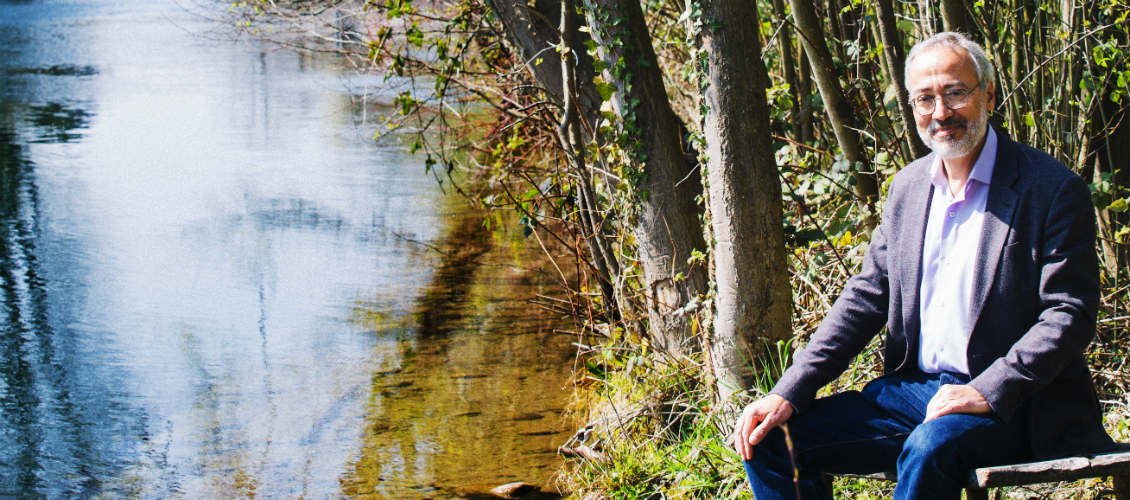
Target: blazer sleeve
x=1068 y=295
x=857 y=315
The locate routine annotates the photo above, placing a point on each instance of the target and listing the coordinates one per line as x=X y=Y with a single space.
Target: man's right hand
x=757 y=420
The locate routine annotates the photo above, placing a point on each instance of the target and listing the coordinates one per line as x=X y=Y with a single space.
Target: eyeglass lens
x=954 y=99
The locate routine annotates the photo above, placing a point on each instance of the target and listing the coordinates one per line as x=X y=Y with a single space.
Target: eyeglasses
x=954 y=99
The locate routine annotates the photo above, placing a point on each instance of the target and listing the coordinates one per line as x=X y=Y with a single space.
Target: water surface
x=214 y=285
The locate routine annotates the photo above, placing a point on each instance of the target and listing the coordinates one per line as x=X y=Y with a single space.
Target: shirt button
x=952 y=214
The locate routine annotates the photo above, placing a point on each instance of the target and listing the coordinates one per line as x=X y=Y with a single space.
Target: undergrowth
x=656 y=431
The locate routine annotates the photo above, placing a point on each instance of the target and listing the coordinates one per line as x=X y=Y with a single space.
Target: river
x=214 y=284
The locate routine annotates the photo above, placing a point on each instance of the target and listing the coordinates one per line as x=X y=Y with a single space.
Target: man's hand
x=757 y=420
x=956 y=399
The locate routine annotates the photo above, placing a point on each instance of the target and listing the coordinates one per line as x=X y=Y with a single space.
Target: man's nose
x=941 y=110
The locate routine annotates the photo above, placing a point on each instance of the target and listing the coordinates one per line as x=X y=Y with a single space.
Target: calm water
x=214 y=285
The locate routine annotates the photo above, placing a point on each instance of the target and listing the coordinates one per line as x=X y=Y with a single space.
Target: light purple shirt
x=949 y=258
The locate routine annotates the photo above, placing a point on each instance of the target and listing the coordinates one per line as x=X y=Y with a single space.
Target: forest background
x=715 y=169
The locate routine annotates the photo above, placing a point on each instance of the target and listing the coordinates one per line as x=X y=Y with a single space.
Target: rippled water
x=214 y=285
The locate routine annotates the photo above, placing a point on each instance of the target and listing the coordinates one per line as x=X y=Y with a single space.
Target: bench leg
x=978 y=494
x=1122 y=487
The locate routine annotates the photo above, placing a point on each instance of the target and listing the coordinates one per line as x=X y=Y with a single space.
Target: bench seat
x=1115 y=464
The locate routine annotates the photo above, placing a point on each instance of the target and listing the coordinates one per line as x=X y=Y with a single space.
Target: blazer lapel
x=912 y=235
x=999 y=209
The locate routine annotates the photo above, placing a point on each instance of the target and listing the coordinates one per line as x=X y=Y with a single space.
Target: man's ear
x=991 y=96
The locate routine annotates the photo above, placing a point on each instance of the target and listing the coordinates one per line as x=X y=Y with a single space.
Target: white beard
x=948 y=147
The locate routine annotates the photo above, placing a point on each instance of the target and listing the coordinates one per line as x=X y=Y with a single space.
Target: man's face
x=952 y=133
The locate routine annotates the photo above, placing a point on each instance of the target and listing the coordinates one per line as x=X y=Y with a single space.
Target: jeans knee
x=773 y=444
x=932 y=445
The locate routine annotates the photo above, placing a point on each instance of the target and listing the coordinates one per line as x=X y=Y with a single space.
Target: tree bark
x=840 y=111
x=666 y=228
x=754 y=301
x=896 y=60
x=953 y=15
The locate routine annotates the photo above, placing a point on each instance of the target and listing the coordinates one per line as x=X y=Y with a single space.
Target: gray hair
x=951 y=40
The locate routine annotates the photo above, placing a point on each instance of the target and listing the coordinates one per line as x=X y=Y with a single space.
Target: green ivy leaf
x=606 y=90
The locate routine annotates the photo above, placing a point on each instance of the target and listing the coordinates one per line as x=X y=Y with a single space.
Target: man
x=984 y=272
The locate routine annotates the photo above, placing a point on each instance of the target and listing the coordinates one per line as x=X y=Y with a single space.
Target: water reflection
x=57 y=123
x=476 y=398
x=55 y=417
x=56 y=70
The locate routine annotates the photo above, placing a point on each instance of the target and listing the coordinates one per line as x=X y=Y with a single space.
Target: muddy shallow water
x=213 y=284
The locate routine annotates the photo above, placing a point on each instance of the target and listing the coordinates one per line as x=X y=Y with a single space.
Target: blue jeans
x=882 y=429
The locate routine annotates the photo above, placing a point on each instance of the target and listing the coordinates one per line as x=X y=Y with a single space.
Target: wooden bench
x=1115 y=464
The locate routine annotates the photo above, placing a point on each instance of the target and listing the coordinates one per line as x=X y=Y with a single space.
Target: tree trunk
x=896 y=61
x=832 y=13
x=840 y=111
x=754 y=301
x=807 y=132
x=953 y=15
x=571 y=134
x=666 y=224
x=532 y=29
x=1111 y=145
x=1015 y=70
x=789 y=65
x=928 y=13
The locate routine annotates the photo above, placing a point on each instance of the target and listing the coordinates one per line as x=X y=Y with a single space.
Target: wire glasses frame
x=954 y=99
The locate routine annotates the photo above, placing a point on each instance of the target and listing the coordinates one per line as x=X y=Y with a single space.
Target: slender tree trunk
x=785 y=41
x=572 y=138
x=927 y=11
x=1015 y=70
x=953 y=15
x=840 y=111
x=753 y=301
x=533 y=30
x=832 y=13
x=877 y=36
x=1110 y=129
x=569 y=80
x=667 y=229
x=1038 y=93
x=807 y=133
x=864 y=70
x=896 y=61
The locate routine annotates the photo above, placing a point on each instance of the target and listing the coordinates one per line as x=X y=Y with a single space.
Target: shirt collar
x=982 y=169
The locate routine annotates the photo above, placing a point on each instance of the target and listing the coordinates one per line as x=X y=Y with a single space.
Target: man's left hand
x=956 y=399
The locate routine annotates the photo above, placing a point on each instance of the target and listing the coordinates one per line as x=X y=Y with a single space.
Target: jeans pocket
x=953 y=378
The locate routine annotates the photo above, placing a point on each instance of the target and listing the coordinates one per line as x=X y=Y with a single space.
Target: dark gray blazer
x=1034 y=303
